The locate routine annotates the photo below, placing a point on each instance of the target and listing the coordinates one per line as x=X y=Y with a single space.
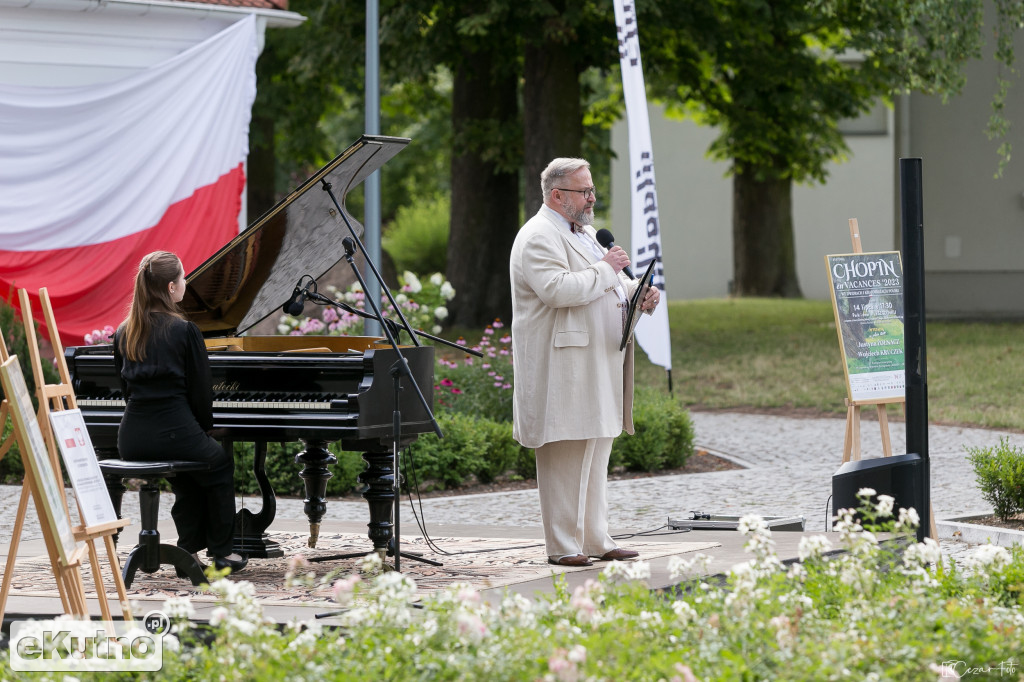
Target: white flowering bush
x=423 y=302
x=864 y=614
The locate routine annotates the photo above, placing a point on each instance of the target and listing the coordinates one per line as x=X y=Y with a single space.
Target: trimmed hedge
x=482 y=450
x=1000 y=474
x=663 y=437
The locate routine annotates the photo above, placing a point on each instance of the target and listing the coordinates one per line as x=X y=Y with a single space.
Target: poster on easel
x=83 y=468
x=36 y=458
x=867 y=299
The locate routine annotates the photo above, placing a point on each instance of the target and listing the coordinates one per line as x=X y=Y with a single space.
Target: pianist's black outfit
x=169 y=410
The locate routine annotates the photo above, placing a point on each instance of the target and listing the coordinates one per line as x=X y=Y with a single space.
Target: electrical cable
x=410 y=466
x=652 y=533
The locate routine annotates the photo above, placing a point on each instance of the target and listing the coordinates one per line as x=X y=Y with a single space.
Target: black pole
x=912 y=212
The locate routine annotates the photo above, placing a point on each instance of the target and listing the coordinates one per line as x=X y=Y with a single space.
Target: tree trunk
x=260 y=195
x=764 y=256
x=552 y=117
x=485 y=199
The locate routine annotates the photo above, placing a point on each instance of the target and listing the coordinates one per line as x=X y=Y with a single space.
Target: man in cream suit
x=573 y=386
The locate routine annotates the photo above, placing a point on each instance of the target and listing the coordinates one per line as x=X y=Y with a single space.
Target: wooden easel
x=851 y=442
x=58 y=397
x=66 y=569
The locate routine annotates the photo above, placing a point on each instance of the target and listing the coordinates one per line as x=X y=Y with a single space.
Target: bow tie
x=574 y=228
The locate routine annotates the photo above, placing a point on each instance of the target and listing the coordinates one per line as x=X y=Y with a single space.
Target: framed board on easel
x=42 y=483
x=62 y=434
x=867 y=299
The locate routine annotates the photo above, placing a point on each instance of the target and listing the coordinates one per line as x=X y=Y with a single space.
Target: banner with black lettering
x=645 y=234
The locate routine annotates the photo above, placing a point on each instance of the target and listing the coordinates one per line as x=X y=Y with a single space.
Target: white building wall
x=695 y=207
x=973 y=222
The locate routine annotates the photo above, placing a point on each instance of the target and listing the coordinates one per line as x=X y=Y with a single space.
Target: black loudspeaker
x=900 y=476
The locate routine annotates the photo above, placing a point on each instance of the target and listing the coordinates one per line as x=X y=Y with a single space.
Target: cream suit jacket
x=571 y=380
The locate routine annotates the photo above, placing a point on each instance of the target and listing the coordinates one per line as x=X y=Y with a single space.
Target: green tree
x=302 y=75
x=776 y=76
x=564 y=40
x=310 y=106
x=497 y=52
x=473 y=41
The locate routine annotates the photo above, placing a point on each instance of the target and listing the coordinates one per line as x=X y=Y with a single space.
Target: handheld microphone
x=605 y=239
x=297 y=302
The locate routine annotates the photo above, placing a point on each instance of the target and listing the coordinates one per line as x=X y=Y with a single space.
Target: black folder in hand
x=633 y=311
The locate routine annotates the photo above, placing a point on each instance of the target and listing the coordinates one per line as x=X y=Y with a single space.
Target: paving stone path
x=788 y=463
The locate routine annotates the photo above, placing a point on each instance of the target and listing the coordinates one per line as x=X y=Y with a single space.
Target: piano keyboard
x=234 y=404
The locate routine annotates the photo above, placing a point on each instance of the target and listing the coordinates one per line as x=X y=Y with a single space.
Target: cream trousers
x=572 y=479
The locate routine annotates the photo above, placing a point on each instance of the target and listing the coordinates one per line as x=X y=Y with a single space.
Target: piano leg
x=379 y=478
x=315 y=475
x=250 y=538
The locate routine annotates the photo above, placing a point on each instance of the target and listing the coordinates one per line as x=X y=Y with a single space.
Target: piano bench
x=150 y=554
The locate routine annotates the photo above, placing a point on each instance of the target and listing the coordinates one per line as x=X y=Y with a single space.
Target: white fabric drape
x=92 y=178
x=91 y=164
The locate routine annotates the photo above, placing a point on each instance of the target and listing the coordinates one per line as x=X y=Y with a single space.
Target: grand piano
x=313 y=389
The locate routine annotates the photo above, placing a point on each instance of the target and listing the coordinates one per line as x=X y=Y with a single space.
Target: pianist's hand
x=217 y=433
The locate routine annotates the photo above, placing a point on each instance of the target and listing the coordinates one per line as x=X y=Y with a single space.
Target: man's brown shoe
x=619 y=553
x=571 y=560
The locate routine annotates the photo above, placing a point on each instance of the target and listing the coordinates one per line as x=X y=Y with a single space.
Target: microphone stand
x=400 y=368
x=321 y=299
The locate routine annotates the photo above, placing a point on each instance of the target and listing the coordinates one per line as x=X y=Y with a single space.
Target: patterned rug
x=481 y=562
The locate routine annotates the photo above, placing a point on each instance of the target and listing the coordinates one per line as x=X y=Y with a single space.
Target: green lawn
x=784 y=354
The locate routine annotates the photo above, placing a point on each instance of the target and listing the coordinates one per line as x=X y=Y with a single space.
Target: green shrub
x=472 y=448
x=503 y=452
x=447 y=462
x=418 y=238
x=1000 y=473
x=473 y=406
x=525 y=464
x=663 y=438
x=283 y=472
x=11 y=470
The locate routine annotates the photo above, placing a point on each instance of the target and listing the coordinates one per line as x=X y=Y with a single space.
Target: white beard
x=580 y=217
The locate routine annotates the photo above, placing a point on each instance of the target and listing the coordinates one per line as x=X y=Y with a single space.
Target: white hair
x=557 y=170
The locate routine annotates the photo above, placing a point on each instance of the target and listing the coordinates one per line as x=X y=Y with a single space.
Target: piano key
x=285 y=404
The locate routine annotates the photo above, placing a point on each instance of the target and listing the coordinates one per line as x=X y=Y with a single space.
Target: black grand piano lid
x=254 y=274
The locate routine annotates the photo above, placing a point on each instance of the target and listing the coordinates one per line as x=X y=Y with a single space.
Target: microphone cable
x=421 y=521
x=421 y=517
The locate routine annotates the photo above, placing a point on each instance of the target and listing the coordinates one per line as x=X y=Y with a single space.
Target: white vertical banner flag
x=645 y=236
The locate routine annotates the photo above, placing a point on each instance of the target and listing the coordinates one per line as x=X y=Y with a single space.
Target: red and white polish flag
x=93 y=178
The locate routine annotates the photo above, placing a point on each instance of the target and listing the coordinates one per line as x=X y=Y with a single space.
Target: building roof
x=261 y=4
